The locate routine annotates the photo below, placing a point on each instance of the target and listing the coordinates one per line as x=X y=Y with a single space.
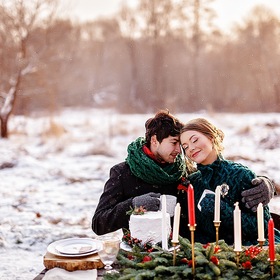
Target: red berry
x=214 y=260
x=146 y=259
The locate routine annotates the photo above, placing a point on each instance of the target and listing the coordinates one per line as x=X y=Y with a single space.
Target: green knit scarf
x=148 y=170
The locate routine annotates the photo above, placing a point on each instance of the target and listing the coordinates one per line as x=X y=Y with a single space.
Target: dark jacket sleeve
x=110 y=214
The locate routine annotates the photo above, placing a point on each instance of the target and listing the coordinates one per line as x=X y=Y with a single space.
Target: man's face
x=167 y=150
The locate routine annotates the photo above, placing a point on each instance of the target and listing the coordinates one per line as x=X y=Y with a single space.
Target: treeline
x=160 y=54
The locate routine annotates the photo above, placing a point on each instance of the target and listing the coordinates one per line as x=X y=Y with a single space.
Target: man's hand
x=149 y=201
x=261 y=193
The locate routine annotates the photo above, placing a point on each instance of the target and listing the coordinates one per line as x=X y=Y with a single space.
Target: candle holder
x=175 y=246
x=192 y=229
x=272 y=262
x=217 y=226
x=237 y=252
x=261 y=242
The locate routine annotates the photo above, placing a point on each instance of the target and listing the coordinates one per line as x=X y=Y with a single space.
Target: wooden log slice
x=72 y=264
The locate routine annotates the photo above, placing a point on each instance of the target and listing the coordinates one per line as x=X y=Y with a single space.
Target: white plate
x=74 y=247
x=125 y=247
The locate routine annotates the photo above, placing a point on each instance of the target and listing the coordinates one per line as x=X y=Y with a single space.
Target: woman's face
x=198 y=147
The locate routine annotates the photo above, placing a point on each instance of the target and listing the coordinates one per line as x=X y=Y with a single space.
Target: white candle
x=176 y=223
x=237 y=228
x=260 y=222
x=163 y=225
x=217 y=204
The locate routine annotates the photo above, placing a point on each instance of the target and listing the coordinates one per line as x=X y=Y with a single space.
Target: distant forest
x=161 y=54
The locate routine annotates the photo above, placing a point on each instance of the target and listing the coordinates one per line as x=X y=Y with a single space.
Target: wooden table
x=40 y=276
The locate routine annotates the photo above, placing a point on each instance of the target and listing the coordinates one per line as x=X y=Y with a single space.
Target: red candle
x=271 y=240
x=191 y=209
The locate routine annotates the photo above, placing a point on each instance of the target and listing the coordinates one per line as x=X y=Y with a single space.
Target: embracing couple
x=172 y=152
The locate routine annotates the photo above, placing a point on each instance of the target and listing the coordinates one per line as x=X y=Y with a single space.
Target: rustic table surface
x=40 y=276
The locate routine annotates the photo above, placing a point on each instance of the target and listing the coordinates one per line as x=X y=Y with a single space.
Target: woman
x=202 y=144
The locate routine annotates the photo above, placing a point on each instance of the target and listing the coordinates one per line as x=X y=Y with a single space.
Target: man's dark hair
x=163 y=125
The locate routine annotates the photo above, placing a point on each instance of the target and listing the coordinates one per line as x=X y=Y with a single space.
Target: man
x=153 y=167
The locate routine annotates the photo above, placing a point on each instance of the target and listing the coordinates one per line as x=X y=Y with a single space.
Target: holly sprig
x=136 y=211
x=136 y=244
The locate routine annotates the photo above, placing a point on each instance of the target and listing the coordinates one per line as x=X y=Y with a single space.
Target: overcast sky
x=228 y=11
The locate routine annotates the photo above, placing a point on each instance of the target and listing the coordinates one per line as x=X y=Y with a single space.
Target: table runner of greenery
x=211 y=262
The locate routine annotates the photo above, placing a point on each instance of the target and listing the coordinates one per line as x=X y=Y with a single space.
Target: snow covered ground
x=52 y=172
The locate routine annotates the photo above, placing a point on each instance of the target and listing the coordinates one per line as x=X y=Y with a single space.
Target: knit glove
x=261 y=193
x=208 y=204
x=149 y=201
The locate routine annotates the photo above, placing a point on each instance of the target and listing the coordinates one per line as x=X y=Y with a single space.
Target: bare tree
x=150 y=23
x=101 y=43
x=130 y=29
x=199 y=18
x=18 y=18
x=160 y=23
x=257 y=65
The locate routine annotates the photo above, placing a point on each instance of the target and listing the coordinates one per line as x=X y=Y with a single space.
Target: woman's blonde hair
x=210 y=131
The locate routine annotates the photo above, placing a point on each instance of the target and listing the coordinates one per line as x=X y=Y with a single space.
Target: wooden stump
x=72 y=264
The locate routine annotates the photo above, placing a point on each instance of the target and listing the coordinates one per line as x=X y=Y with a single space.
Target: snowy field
x=52 y=172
